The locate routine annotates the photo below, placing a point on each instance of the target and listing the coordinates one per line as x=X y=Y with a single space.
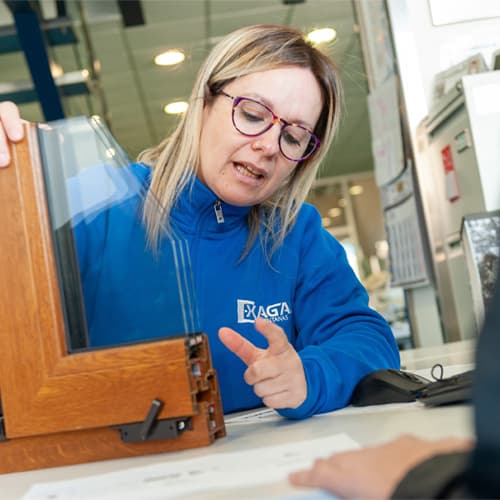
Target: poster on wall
x=408 y=265
x=376 y=40
x=385 y=125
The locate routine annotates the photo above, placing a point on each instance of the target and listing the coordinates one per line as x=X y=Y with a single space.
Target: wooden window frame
x=58 y=408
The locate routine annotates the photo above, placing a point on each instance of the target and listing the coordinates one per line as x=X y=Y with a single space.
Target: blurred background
x=106 y=50
x=134 y=62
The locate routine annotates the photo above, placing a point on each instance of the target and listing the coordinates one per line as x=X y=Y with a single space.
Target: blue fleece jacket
x=308 y=289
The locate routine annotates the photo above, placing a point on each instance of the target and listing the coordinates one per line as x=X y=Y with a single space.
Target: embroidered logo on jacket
x=248 y=310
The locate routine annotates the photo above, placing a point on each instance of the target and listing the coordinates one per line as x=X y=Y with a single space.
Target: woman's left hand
x=276 y=373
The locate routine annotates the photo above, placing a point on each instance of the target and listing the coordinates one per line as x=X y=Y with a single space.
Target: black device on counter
x=388 y=386
x=455 y=389
x=398 y=386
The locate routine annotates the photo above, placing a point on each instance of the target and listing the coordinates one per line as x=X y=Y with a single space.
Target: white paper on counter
x=212 y=472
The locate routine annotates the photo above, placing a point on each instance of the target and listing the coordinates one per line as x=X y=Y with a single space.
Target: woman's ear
x=208 y=95
x=204 y=115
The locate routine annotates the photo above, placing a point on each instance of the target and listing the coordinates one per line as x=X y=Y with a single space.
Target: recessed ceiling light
x=321 y=35
x=335 y=212
x=170 y=57
x=56 y=70
x=326 y=221
x=355 y=190
x=176 y=107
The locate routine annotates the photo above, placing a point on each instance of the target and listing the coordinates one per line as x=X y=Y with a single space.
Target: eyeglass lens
x=253 y=118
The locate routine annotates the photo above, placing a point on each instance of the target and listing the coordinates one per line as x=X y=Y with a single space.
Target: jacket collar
x=195 y=210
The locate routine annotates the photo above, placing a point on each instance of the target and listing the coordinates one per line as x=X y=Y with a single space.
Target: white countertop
x=257 y=429
x=367 y=426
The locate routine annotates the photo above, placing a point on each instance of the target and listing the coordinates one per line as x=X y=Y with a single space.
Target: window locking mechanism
x=152 y=428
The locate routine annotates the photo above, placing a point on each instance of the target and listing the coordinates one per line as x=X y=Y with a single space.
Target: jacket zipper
x=218 y=212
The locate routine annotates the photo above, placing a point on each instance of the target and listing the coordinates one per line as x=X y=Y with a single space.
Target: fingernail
x=4 y=159
x=16 y=133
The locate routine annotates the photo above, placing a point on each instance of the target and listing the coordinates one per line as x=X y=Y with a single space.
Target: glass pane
x=95 y=196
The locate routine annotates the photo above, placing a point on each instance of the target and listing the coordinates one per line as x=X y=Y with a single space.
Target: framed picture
x=481 y=243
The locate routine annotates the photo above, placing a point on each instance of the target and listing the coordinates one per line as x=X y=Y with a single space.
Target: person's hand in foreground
x=276 y=373
x=376 y=471
x=10 y=127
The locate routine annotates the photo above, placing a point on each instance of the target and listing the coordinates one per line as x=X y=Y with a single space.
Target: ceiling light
x=170 y=57
x=335 y=212
x=341 y=202
x=176 y=107
x=355 y=189
x=321 y=35
x=326 y=221
x=56 y=70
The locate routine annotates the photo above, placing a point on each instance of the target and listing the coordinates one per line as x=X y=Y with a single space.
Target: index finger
x=318 y=476
x=275 y=335
x=239 y=345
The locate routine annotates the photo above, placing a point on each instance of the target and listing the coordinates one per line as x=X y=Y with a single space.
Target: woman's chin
x=238 y=195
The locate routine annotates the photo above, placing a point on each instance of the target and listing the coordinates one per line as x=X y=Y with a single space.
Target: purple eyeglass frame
x=237 y=99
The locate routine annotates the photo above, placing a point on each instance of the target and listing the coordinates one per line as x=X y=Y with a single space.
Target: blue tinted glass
x=115 y=289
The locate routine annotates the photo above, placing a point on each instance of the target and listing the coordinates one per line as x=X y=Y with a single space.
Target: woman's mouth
x=247 y=171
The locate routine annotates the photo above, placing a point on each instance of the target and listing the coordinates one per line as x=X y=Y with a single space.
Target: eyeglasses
x=252 y=118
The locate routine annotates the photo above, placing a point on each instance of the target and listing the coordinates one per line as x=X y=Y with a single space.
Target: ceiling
x=135 y=90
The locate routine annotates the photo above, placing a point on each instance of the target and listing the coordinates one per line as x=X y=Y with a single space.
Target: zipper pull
x=218 y=212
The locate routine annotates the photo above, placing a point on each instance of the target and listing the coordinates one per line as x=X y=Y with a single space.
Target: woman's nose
x=268 y=142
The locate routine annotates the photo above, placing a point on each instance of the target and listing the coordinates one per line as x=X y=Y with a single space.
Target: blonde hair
x=175 y=160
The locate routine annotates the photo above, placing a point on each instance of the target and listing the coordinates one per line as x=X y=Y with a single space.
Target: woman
x=232 y=180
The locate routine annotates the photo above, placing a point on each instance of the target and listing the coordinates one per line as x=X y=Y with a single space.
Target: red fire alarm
x=450 y=175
